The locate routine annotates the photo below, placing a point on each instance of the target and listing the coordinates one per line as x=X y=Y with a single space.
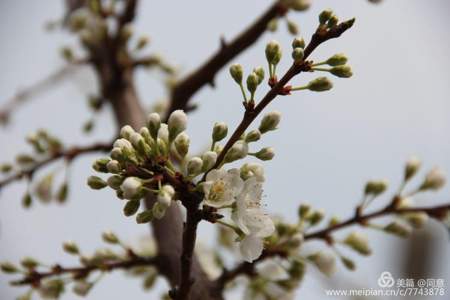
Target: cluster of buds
x=254 y=79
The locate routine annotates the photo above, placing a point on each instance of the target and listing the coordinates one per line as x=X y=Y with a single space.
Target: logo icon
x=386 y=280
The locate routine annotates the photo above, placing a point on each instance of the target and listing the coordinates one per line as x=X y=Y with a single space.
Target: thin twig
x=186 y=88
x=34 y=277
x=68 y=154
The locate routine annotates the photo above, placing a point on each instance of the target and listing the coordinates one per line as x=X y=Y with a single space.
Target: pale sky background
x=328 y=144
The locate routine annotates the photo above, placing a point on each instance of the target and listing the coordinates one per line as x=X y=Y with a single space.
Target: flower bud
x=117 y=153
x=125 y=146
x=194 y=166
x=273 y=25
x=209 y=159
x=316 y=217
x=325 y=261
x=320 y=84
x=176 y=124
x=165 y=195
x=220 y=131
x=100 y=165
x=252 y=82
x=110 y=237
x=298 y=42
x=154 y=122
x=298 y=5
x=333 y=21
x=126 y=132
x=51 y=289
x=265 y=153
x=337 y=60
x=273 y=52
x=131 y=187
x=131 y=207
x=181 y=143
x=144 y=217
x=238 y=151
x=237 y=73
x=253 y=136
x=342 y=71
x=259 y=71
x=96 y=183
x=82 y=288
x=434 y=180
x=142 y=42
x=348 y=263
x=8 y=268
x=412 y=166
x=298 y=54
x=113 y=166
x=376 y=187
x=303 y=211
x=292 y=27
x=325 y=15
x=29 y=263
x=358 y=242
x=71 y=248
x=397 y=229
x=252 y=170
x=269 y=122
x=158 y=210
x=115 y=181
x=416 y=219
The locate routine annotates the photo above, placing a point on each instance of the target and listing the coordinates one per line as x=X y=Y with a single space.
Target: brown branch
x=186 y=88
x=25 y=94
x=68 y=154
x=251 y=112
x=437 y=212
x=129 y=13
x=34 y=277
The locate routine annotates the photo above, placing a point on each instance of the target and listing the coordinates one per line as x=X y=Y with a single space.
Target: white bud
x=194 y=166
x=238 y=151
x=265 y=153
x=131 y=187
x=163 y=133
x=253 y=136
x=434 y=180
x=123 y=144
x=269 y=122
x=117 y=153
x=273 y=52
x=209 y=159
x=176 y=124
x=154 y=122
x=113 y=166
x=325 y=261
x=126 y=132
x=165 y=195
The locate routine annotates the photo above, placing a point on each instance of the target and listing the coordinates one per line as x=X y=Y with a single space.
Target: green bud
x=154 y=123
x=297 y=269
x=252 y=82
x=397 y=229
x=269 y=122
x=113 y=166
x=67 y=54
x=298 y=42
x=348 y=263
x=115 y=181
x=110 y=237
x=342 y=71
x=100 y=165
x=253 y=136
x=411 y=168
x=358 y=242
x=29 y=263
x=5 y=168
x=71 y=248
x=131 y=207
x=82 y=288
x=63 y=190
x=273 y=52
x=325 y=16
x=96 y=183
x=265 y=153
x=304 y=210
x=237 y=73
x=220 y=131
x=320 y=84
x=144 y=217
x=292 y=27
x=333 y=21
x=259 y=71
x=416 y=219
x=376 y=187
x=51 y=289
x=8 y=268
x=337 y=60
x=238 y=151
x=27 y=200
x=150 y=280
x=316 y=217
x=273 y=25
x=25 y=159
x=298 y=54
x=181 y=143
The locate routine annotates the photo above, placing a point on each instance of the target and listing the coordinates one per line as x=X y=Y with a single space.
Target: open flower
x=252 y=220
x=221 y=187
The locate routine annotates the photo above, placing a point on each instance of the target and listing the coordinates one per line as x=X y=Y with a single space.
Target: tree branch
x=68 y=154
x=183 y=91
x=34 y=277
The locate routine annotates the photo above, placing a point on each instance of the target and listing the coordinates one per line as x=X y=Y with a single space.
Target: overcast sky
x=328 y=145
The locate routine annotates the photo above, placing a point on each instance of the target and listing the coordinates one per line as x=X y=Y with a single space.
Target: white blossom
x=221 y=187
x=130 y=187
x=434 y=180
x=251 y=219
